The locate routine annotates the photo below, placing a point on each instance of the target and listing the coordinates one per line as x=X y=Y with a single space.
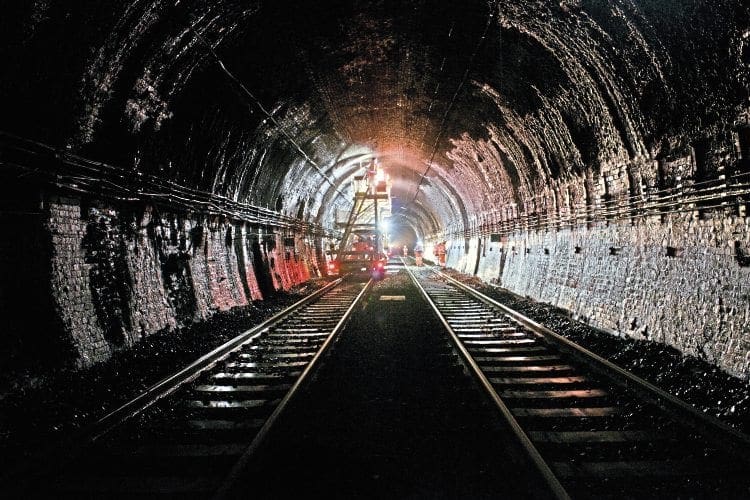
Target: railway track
x=190 y=435
x=591 y=429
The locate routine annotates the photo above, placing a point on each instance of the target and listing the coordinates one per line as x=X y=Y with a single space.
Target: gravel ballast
x=697 y=382
x=65 y=401
x=390 y=414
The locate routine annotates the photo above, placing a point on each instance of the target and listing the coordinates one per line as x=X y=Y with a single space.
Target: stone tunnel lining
x=618 y=125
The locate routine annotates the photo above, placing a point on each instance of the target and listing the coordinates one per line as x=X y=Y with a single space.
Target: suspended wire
x=702 y=196
x=81 y=175
x=460 y=87
x=269 y=115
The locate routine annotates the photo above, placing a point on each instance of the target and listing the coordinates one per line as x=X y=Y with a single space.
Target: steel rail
x=73 y=445
x=231 y=478
x=168 y=385
x=722 y=434
x=553 y=484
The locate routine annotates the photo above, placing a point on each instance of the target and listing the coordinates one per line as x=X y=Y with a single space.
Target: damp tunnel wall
x=166 y=160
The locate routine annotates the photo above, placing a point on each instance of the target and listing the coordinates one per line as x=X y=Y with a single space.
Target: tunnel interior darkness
x=470 y=110
x=490 y=116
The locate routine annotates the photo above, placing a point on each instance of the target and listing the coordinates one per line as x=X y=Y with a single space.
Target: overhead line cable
x=263 y=109
x=448 y=110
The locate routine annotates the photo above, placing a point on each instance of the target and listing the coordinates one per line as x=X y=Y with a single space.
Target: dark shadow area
x=390 y=414
x=31 y=336
x=67 y=400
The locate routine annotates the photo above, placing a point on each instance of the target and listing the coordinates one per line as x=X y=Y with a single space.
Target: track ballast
x=592 y=429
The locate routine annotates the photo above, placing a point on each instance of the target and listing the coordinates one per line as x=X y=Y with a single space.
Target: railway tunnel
x=164 y=163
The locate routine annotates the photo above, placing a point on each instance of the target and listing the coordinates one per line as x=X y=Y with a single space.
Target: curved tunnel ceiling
x=469 y=106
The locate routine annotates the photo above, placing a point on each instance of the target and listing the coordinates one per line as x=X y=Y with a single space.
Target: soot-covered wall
x=525 y=119
x=118 y=275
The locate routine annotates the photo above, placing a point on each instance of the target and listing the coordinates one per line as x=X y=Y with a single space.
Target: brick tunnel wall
x=677 y=283
x=680 y=276
x=118 y=275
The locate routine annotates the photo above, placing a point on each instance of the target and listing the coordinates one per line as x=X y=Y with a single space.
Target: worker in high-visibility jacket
x=440 y=253
x=418 y=251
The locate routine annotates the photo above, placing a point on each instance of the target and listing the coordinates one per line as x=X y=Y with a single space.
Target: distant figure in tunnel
x=440 y=253
x=406 y=251
x=418 y=251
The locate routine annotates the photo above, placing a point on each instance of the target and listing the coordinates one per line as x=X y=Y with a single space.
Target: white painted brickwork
x=697 y=301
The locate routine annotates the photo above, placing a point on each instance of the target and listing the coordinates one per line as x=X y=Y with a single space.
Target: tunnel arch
x=143 y=69
x=508 y=118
